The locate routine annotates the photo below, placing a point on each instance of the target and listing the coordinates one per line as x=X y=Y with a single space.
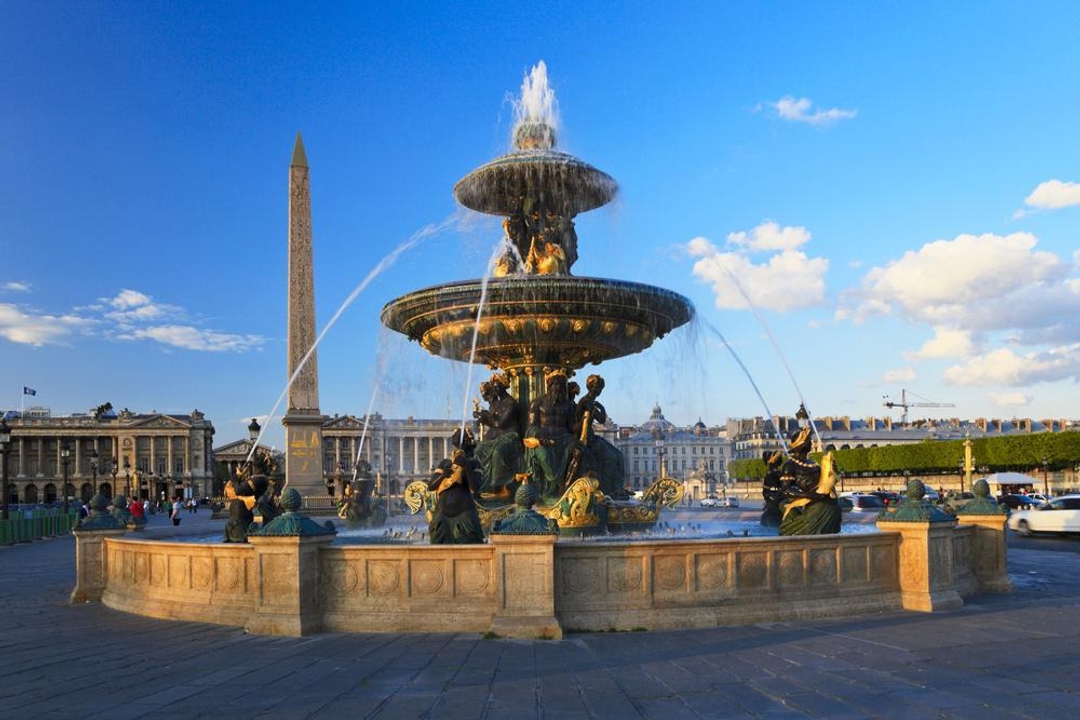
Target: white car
x=1060 y=515
x=709 y=502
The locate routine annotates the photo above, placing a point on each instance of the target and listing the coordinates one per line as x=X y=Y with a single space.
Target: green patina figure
x=981 y=504
x=290 y=522
x=913 y=507
x=809 y=506
x=525 y=520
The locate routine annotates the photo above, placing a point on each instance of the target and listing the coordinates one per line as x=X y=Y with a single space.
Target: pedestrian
x=177 y=509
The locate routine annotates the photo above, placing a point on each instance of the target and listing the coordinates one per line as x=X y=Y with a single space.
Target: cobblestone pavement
x=1001 y=656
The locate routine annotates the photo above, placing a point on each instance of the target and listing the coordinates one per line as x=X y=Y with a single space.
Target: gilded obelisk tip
x=299 y=157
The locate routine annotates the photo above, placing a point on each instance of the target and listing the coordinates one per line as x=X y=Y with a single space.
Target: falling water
x=363 y=433
x=504 y=245
x=418 y=237
x=768 y=412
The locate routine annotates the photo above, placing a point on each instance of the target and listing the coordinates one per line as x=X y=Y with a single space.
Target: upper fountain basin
x=562 y=182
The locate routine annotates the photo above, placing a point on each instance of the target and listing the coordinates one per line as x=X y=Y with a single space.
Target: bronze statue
x=550 y=438
x=772 y=489
x=456 y=484
x=602 y=456
x=356 y=508
x=500 y=452
x=810 y=505
x=252 y=487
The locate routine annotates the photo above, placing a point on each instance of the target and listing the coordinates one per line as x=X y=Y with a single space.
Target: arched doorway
x=105 y=489
x=50 y=493
x=86 y=492
x=30 y=494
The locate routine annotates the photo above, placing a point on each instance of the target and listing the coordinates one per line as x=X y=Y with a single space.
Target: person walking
x=177 y=509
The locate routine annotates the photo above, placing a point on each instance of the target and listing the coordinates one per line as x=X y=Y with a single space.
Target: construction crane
x=905 y=404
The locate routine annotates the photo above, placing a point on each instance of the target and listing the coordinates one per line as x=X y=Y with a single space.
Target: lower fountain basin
x=557 y=320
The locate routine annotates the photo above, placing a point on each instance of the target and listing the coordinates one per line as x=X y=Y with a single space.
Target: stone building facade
x=696 y=456
x=147 y=455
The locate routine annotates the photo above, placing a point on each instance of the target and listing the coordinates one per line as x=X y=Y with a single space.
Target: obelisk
x=303 y=421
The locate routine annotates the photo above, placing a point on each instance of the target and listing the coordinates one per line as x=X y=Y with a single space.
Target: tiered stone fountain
x=532 y=318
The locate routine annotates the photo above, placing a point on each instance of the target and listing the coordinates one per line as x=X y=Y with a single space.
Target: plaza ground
x=1000 y=656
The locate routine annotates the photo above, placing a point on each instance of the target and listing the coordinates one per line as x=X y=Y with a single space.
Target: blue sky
x=895 y=186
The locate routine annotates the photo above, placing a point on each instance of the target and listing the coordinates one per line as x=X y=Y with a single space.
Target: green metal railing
x=28 y=525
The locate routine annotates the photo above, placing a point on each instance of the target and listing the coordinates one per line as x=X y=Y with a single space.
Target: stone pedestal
x=926 y=573
x=525 y=578
x=91 y=563
x=287 y=585
x=990 y=553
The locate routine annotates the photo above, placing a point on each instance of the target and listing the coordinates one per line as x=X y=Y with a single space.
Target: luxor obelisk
x=303 y=421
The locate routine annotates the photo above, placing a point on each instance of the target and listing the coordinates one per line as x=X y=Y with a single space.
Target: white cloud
x=29 y=328
x=1054 y=195
x=132 y=307
x=1007 y=368
x=16 y=286
x=900 y=375
x=1005 y=308
x=946 y=282
x=1010 y=399
x=130 y=313
x=786 y=281
x=192 y=338
x=946 y=343
x=799 y=110
x=127 y=299
x=769 y=236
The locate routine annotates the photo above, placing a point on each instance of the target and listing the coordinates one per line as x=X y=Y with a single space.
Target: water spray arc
x=750 y=378
x=772 y=339
x=428 y=231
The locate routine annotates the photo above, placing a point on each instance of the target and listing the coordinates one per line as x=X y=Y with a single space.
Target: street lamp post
x=389 y=474
x=127 y=479
x=114 y=467
x=660 y=456
x=1046 y=483
x=93 y=469
x=5 y=446
x=65 y=460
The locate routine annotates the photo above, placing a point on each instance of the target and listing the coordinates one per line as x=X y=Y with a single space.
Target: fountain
x=536 y=323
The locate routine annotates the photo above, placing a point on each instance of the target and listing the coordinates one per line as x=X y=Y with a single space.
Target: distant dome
x=657 y=423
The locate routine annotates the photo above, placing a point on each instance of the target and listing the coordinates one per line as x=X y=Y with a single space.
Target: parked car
x=1060 y=515
x=1015 y=501
x=861 y=502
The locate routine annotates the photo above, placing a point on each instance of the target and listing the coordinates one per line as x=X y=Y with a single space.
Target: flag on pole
x=28 y=391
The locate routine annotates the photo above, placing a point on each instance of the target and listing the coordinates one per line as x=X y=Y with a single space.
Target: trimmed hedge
x=1021 y=453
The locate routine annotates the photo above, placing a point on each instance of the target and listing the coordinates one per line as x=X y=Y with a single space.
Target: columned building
x=398 y=450
x=145 y=455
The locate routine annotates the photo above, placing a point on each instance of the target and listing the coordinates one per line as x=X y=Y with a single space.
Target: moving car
x=861 y=502
x=1016 y=501
x=1060 y=515
x=709 y=501
x=729 y=502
